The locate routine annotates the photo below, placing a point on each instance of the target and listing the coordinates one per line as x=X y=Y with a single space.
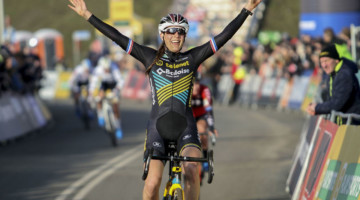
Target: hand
x=79 y=7
x=311 y=109
x=251 y=4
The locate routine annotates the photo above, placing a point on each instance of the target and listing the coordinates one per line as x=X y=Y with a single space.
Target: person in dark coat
x=343 y=93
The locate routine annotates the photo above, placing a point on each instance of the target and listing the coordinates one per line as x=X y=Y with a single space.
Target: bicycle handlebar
x=180 y=158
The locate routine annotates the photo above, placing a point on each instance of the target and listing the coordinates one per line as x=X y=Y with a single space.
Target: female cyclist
x=171 y=74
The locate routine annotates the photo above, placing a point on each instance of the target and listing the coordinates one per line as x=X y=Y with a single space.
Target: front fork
x=173 y=183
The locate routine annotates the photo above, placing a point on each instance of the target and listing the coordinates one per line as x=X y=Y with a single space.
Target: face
x=173 y=41
x=328 y=64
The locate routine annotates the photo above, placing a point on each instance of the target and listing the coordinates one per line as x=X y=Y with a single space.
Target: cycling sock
x=117 y=123
x=100 y=114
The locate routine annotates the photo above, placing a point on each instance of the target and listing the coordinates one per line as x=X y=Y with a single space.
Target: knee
x=191 y=171
x=152 y=185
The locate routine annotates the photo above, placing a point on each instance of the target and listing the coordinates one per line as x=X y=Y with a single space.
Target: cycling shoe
x=101 y=121
x=118 y=133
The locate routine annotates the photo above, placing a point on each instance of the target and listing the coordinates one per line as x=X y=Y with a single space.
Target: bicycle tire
x=211 y=166
x=110 y=126
x=85 y=114
x=178 y=194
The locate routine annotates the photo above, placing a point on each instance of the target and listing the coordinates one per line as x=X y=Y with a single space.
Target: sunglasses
x=172 y=31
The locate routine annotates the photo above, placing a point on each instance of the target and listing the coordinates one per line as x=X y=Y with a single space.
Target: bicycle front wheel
x=85 y=110
x=178 y=194
x=110 y=125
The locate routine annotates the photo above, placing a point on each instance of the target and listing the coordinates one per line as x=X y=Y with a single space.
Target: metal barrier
x=349 y=117
x=355 y=38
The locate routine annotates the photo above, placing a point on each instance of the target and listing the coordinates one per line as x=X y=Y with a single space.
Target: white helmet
x=173 y=20
x=86 y=64
x=105 y=63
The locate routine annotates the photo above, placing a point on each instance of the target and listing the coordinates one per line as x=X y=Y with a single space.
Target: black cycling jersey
x=171 y=80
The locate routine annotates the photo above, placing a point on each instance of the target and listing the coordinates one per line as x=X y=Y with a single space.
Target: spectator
x=9 y=30
x=342 y=85
x=329 y=37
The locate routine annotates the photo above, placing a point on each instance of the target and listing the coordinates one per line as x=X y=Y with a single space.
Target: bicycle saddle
x=171 y=125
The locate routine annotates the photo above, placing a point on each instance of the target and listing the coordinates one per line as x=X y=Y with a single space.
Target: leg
x=202 y=129
x=116 y=109
x=234 y=94
x=76 y=96
x=153 y=180
x=191 y=173
x=100 y=115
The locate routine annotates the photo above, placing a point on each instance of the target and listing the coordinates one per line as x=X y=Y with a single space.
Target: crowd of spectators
x=282 y=59
x=19 y=71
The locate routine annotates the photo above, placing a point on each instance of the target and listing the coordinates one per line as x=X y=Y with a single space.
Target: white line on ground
x=84 y=185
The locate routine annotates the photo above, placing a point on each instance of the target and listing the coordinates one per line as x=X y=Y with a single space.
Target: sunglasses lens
x=174 y=30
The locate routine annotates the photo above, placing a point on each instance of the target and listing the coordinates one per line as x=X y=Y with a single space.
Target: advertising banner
x=129 y=89
x=327 y=132
x=245 y=90
x=267 y=91
x=225 y=87
x=285 y=96
x=311 y=92
x=341 y=179
x=63 y=86
x=19 y=115
x=310 y=127
x=143 y=87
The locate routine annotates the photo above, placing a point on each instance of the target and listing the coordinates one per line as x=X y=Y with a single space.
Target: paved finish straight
x=253 y=156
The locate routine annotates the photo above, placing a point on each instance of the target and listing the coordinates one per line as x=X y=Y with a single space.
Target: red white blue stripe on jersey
x=130 y=46
x=213 y=45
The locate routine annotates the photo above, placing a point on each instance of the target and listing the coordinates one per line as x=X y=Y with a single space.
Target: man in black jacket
x=343 y=86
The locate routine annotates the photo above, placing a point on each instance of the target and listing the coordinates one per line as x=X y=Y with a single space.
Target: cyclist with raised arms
x=171 y=74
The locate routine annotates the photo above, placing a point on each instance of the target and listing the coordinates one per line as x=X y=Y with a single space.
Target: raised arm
x=142 y=53
x=252 y=4
x=204 y=51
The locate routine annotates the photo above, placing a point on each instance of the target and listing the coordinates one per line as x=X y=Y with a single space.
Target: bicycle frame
x=84 y=106
x=109 y=117
x=108 y=112
x=174 y=181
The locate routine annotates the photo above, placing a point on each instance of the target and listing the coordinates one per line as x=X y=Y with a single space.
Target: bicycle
x=85 y=110
x=109 y=116
x=203 y=168
x=173 y=189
